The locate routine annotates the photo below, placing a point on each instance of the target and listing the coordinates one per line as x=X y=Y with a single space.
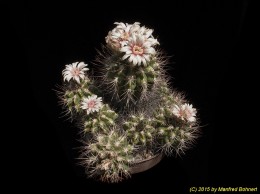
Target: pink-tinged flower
x=91 y=104
x=138 y=50
x=185 y=112
x=119 y=36
x=74 y=71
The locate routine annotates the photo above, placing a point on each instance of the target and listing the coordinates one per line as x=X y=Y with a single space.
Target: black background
x=211 y=47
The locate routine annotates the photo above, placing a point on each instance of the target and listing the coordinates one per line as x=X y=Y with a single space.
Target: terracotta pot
x=146 y=164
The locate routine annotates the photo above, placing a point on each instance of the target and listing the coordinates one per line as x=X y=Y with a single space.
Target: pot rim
x=146 y=164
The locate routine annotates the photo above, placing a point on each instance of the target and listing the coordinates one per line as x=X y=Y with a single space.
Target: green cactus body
x=139 y=130
x=74 y=94
x=110 y=155
x=101 y=121
x=128 y=83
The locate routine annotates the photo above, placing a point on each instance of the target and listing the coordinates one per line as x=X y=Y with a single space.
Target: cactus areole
x=126 y=111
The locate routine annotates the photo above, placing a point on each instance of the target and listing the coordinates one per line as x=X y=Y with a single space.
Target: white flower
x=147 y=33
x=135 y=41
x=91 y=104
x=119 y=36
x=138 y=50
x=75 y=71
x=185 y=112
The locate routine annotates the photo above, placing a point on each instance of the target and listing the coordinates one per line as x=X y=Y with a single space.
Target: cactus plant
x=128 y=112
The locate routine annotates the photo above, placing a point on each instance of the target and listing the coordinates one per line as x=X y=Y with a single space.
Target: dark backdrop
x=209 y=42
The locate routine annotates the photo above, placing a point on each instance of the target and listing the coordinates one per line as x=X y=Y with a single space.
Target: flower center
x=182 y=113
x=124 y=36
x=137 y=50
x=75 y=72
x=91 y=104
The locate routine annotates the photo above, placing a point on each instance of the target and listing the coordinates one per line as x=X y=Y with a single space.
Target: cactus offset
x=139 y=130
x=109 y=156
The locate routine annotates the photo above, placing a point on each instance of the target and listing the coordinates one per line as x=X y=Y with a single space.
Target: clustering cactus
x=128 y=112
